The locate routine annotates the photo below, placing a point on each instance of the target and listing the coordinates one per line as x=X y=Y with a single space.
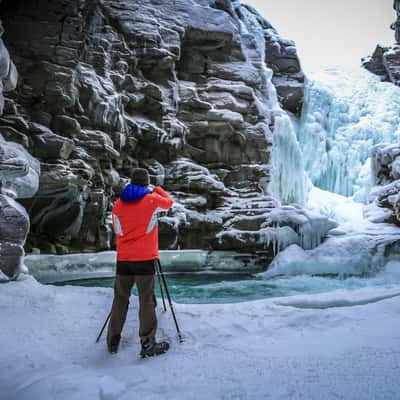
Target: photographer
x=134 y=218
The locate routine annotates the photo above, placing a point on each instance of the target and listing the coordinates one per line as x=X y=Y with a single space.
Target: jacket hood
x=134 y=192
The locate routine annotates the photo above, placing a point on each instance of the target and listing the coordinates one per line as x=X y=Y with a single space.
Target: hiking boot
x=113 y=344
x=152 y=348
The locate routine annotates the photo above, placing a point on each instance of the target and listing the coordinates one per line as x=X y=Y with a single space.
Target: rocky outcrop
x=19 y=176
x=385 y=62
x=386 y=172
x=385 y=158
x=180 y=88
x=288 y=78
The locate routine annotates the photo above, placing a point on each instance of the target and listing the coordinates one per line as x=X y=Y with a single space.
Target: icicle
x=175 y=92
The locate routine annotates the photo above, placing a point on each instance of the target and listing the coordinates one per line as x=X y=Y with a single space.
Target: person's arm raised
x=162 y=198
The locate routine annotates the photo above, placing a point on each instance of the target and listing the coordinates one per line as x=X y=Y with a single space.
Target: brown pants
x=147 y=312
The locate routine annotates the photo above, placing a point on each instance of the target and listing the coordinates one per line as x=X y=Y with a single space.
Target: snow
x=373 y=213
x=357 y=253
x=344 y=298
x=341 y=345
x=3 y=278
x=347 y=212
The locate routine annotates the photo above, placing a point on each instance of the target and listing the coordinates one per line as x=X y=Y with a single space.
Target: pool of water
x=211 y=288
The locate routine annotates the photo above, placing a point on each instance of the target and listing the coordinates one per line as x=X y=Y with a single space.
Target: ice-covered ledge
x=56 y=268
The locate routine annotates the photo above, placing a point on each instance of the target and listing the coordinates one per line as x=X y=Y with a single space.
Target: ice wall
x=287 y=170
x=345 y=114
x=288 y=180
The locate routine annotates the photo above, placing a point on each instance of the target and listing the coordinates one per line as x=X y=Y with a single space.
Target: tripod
x=162 y=283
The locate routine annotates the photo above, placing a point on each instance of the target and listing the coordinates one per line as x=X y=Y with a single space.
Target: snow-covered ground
x=298 y=347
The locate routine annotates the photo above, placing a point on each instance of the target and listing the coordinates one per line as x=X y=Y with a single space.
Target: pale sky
x=330 y=32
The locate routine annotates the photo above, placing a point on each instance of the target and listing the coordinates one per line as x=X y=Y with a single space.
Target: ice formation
x=348 y=119
x=360 y=253
x=288 y=179
x=55 y=268
x=345 y=114
x=311 y=227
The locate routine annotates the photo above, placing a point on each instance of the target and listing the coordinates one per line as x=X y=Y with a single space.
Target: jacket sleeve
x=162 y=198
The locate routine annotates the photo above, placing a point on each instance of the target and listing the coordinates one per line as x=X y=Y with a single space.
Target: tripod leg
x=161 y=289
x=170 y=302
x=102 y=329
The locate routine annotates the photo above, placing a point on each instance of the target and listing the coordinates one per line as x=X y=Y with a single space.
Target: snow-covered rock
x=19 y=171
x=19 y=178
x=384 y=62
x=311 y=227
x=359 y=253
x=185 y=89
x=385 y=194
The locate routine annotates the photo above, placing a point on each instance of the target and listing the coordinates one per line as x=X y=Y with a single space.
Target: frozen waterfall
x=344 y=115
x=288 y=180
x=323 y=160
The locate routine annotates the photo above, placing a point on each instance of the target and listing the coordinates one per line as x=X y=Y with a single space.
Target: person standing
x=134 y=218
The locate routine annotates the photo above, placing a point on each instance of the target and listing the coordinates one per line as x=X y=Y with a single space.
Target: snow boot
x=113 y=344
x=152 y=348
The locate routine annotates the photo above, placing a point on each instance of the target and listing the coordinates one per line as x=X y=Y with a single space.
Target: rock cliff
x=385 y=62
x=386 y=175
x=385 y=159
x=187 y=89
x=19 y=175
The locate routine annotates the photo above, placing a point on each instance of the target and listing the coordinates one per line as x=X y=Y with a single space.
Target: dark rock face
x=386 y=168
x=288 y=78
x=18 y=178
x=375 y=63
x=385 y=62
x=172 y=86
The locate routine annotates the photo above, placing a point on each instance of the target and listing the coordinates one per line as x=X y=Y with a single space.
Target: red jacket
x=135 y=225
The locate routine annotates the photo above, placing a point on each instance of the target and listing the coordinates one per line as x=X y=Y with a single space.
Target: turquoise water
x=211 y=288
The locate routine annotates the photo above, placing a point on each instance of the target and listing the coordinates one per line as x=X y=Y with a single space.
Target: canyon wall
x=187 y=89
x=19 y=176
